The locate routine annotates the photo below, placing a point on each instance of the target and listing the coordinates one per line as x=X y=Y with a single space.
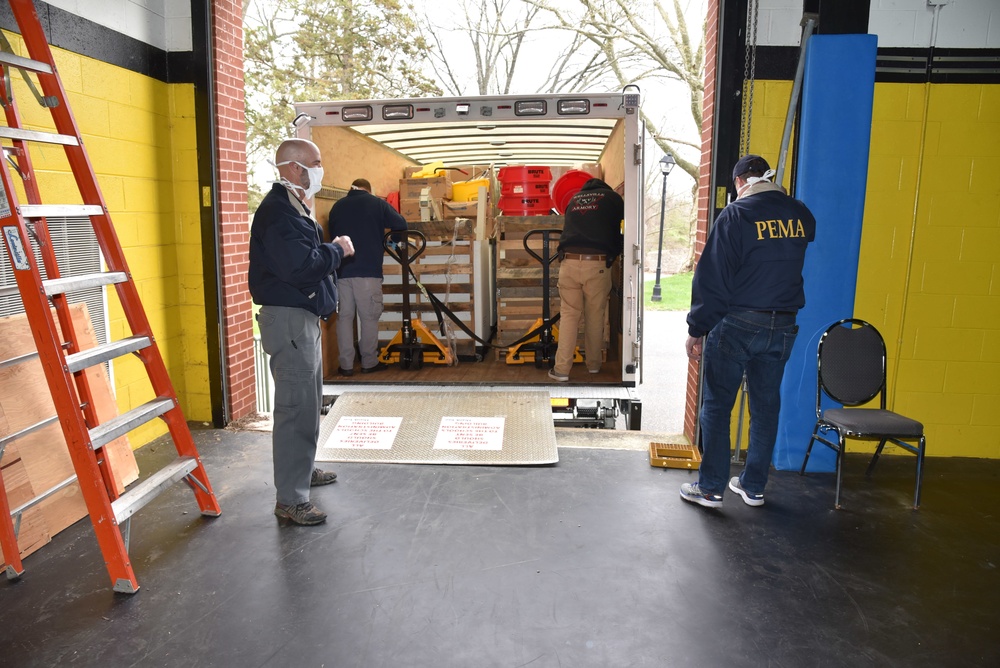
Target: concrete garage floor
x=592 y=562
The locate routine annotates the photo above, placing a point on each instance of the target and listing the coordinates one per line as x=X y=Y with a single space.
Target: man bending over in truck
x=591 y=239
x=365 y=218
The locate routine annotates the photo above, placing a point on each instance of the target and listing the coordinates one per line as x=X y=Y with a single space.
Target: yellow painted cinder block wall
x=929 y=271
x=140 y=135
x=929 y=265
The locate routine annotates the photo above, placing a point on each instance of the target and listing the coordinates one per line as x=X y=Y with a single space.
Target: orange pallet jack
x=55 y=339
x=413 y=344
x=539 y=345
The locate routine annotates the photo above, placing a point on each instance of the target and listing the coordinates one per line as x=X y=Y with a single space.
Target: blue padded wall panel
x=832 y=162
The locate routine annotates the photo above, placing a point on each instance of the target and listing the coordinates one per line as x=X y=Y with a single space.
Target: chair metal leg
x=840 y=468
x=920 y=473
x=809 y=450
x=874 y=461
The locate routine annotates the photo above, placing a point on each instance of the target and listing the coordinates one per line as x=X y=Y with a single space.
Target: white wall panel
x=967 y=24
x=165 y=24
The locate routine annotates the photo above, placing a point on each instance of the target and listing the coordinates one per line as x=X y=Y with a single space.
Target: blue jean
x=758 y=344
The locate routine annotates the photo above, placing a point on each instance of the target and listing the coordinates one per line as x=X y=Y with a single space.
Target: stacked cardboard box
x=423 y=199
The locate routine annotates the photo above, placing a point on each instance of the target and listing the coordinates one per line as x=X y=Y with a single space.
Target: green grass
x=675 y=292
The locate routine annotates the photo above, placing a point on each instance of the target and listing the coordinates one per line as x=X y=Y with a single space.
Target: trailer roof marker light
x=630 y=98
x=530 y=108
x=498 y=142
x=462 y=108
x=486 y=127
x=573 y=107
x=362 y=113
x=302 y=119
x=394 y=112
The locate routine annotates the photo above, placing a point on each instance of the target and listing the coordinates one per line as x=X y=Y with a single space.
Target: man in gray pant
x=365 y=218
x=291 y=278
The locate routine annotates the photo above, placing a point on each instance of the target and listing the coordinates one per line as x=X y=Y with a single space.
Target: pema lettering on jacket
x=779 y=229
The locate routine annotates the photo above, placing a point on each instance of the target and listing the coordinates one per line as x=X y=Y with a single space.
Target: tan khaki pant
x=584 y=287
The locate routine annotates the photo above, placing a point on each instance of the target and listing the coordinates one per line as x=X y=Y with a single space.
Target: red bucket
x=522 y=173
x=524 y=189
x=516 y=205
x=566 y=186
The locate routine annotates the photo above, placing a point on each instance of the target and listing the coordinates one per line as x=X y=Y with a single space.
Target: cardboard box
x=440 y=188
x=413 y=212
x=453 y=210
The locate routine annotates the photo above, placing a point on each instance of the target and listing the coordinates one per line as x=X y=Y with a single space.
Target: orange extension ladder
x=58 y=349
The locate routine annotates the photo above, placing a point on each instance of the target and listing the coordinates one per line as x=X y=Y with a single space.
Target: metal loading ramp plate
x=465 y=428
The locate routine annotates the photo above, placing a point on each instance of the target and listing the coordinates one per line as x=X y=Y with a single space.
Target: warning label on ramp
x=364 y=433
x=470 y=433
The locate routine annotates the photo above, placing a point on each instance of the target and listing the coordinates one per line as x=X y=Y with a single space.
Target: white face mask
x=767 y=176
x=314 y=174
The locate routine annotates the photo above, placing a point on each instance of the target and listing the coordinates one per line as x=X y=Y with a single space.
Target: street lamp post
x=667 y=163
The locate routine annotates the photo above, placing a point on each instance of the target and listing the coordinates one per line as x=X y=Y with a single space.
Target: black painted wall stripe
x=73 y=33
x=898 y=65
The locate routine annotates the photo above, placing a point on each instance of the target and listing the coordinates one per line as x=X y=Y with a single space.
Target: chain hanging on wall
x=749 y=67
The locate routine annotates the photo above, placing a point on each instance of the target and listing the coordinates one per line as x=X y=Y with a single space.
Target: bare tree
x=491 y=35
x=606 y=44
x=635 y=48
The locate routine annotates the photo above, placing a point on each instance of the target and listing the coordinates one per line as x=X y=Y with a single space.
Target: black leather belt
x=774 y=312
x=585 y=256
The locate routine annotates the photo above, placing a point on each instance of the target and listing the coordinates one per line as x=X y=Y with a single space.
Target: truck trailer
x=482 y=182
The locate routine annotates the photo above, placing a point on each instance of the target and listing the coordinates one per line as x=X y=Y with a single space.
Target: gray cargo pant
x=291 y=336
x=361 y=297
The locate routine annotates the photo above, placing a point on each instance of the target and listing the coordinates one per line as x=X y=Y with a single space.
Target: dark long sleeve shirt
x=364 y=218
x=290 y=265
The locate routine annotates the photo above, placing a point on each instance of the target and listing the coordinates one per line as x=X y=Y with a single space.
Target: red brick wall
x=233 y=215
x=704 y=188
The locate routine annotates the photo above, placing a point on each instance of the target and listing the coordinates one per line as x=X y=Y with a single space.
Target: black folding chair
x=851 y=362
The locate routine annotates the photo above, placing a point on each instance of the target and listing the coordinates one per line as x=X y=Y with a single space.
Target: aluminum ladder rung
x=104 y=352
x=23 y=63
x=33 y=135
x=133 y=499
x=9 y=291
x=53 y=210
x=59 y=286
x=10 y=438
x=108 y=431
x=44 y=495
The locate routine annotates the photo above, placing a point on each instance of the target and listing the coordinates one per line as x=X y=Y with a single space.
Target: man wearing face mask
x=746 y=291
x=291 y=278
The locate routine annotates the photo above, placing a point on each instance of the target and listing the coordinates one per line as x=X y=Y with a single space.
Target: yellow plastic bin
x=467 y=191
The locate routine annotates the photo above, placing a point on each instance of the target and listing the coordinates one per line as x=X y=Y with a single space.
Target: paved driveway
x=664 y=372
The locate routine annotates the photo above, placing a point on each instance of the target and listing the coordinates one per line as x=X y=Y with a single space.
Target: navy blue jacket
x=289 y=263
x=752 y=260
x=364 y=218
x=594 y=222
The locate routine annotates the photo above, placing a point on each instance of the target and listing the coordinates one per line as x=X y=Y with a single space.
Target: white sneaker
x=691 y=491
